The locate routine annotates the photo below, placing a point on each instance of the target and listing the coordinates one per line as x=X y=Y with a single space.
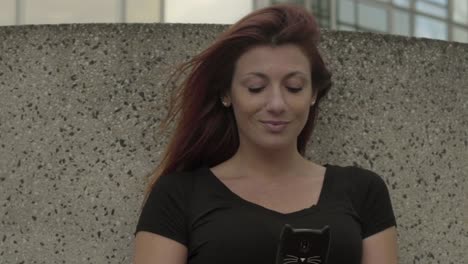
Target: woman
x=235 y=173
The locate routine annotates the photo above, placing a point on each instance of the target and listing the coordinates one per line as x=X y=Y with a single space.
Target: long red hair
x=206 y=133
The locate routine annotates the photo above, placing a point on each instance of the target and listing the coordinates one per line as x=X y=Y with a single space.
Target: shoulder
x=356 y=181
x=180 y=182
x=356 y=175
x=173 y=189
x=165 y=209
x=361 y=185
x=174 y=178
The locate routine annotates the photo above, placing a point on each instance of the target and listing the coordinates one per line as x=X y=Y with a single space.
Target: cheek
x=302 y=114
x=300 y=107
x=244 y=111
x=245 y=106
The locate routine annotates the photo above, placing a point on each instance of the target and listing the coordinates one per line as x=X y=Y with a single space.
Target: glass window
x=320 y=7
x=71 y=11
x=346 y=27
x=460 y=34
x=207 y=11
x=372 y=17
x=346 y=11
x=297 y=2
x=428 y=8
x=7 y=12
x=402 y=3
x=321 y=10
x=460 y=11
x=143 y=11
x=401 y=23
x=438 y=2
x=430 y=28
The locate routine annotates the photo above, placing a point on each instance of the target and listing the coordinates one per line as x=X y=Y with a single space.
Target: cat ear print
x=287 y=229
x=325 y=229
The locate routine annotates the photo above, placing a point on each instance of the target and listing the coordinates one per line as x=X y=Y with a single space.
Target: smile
x=275 y=126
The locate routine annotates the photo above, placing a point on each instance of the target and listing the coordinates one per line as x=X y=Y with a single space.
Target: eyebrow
x=264 y=76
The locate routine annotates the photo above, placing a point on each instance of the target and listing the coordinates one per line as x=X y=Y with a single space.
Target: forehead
x=265 y=58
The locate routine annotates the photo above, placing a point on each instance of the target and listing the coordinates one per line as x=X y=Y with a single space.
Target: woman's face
x=271 y=95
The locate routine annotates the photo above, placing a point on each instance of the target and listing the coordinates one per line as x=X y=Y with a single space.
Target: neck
x=269 y=163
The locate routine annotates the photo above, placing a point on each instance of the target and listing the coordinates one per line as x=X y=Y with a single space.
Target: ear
x=225 y=100
x=225 y=97
x=312 y=101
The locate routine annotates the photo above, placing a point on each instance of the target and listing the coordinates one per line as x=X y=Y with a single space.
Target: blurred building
x=438 y=19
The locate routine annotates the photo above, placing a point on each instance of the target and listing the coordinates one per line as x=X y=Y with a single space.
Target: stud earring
x=226 y=104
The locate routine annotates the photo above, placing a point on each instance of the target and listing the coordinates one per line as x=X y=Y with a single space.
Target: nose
x=276 y=101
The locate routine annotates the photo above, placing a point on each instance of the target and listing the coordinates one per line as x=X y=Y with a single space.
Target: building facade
x=437 y=19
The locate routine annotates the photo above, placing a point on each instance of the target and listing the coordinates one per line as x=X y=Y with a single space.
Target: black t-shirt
x=217 y=226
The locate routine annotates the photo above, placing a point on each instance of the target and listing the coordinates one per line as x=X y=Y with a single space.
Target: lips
x=276 y=123
x=275 y=126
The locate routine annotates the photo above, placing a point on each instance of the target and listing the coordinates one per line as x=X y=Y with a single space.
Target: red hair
x=206 y=132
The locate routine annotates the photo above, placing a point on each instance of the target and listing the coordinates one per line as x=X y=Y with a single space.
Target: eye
x=255 y=89
x=294 y=89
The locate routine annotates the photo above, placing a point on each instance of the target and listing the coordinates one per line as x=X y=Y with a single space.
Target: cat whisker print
x=314 y=260
x=290 y=259
x=293 y=259
x=290 y=256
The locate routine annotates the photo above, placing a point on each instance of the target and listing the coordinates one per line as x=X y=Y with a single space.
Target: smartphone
x=303 y=245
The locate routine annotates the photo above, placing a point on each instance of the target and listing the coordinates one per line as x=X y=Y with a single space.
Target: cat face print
x=303 y=245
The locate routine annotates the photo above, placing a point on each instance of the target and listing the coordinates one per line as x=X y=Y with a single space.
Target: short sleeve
x=164 y=212
x=375 y=208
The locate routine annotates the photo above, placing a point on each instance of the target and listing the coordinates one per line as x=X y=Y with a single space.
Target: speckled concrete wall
x=79 y=105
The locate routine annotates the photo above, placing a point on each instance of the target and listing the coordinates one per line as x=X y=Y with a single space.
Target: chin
x=275 y=144
x=271 y=142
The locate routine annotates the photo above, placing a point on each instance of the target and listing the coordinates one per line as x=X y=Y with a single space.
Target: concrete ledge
x=79 y=105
